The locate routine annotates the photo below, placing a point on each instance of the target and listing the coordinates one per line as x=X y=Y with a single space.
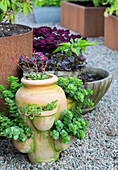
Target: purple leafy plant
x=46 y=39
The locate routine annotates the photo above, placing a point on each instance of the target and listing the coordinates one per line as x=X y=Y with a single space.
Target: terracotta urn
x=41 y=92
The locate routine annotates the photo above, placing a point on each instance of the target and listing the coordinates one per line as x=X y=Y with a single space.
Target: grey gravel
x=99 y=150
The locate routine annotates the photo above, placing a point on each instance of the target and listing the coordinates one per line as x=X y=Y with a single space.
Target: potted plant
x=35 y=100
x=47 y=11
x=68 y=127
x=111 y=25
x=13 y=36
x=86 y=17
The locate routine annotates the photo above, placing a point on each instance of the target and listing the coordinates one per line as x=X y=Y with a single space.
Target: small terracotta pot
x=26 y=147
x=70 y=104
x=44 y=121
x=59 y=146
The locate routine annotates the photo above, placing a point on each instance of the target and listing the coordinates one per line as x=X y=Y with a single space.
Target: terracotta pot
x=99 y=87
x=26 y=147
x=88 y=21
x=59 y=146
x=41 y=92
x=111 y=32
x=44 y=121
x=70 y=104
x=12 y=48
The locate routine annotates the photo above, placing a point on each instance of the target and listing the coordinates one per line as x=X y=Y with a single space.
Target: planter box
x=47 y=14
x=12 y=48
x=88 y=21
x=111 y=32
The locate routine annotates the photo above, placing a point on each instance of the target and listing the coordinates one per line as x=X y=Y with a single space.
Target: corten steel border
x=88 y=21
x=11 y=48
x=111 y=32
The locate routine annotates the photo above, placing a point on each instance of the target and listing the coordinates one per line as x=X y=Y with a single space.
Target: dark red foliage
x=46 y=39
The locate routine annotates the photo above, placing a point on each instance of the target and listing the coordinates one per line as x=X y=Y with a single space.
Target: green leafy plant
x=113 y=9
x=42 y=3
x=35 y=76
x=70 y=124
x=73 y=90
x=98 y=3
x=10 y=8
x=13 y=128
x=29 y=111
x=74 y=47
x=11 y=124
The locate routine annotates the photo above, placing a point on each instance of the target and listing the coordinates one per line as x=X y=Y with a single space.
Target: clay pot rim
x=44 y=82
x=47 y=113
x=31 y=30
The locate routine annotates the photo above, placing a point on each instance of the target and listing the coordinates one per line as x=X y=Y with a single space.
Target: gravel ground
x=99 y=150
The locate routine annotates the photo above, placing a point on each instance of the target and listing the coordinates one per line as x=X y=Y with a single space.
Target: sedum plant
x=73 y=90
x=70 y=124
x=29 y=111
x=10 y=8
x=11 y=124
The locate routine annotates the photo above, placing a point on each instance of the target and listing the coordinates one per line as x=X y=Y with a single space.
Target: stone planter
x=99 y=87
x=11 y=48
x=86 y=20
x=47 y=14
x=41 y=92
x=59 y=146
x=44 y=121
x=111 y=32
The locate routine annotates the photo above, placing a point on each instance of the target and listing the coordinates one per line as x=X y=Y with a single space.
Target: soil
x=7 y=29
x=88 y=77
x=86 y=4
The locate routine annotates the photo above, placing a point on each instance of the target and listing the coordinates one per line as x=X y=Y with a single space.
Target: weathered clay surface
x=44 y=121
x=59 y=146
x=41 y=92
